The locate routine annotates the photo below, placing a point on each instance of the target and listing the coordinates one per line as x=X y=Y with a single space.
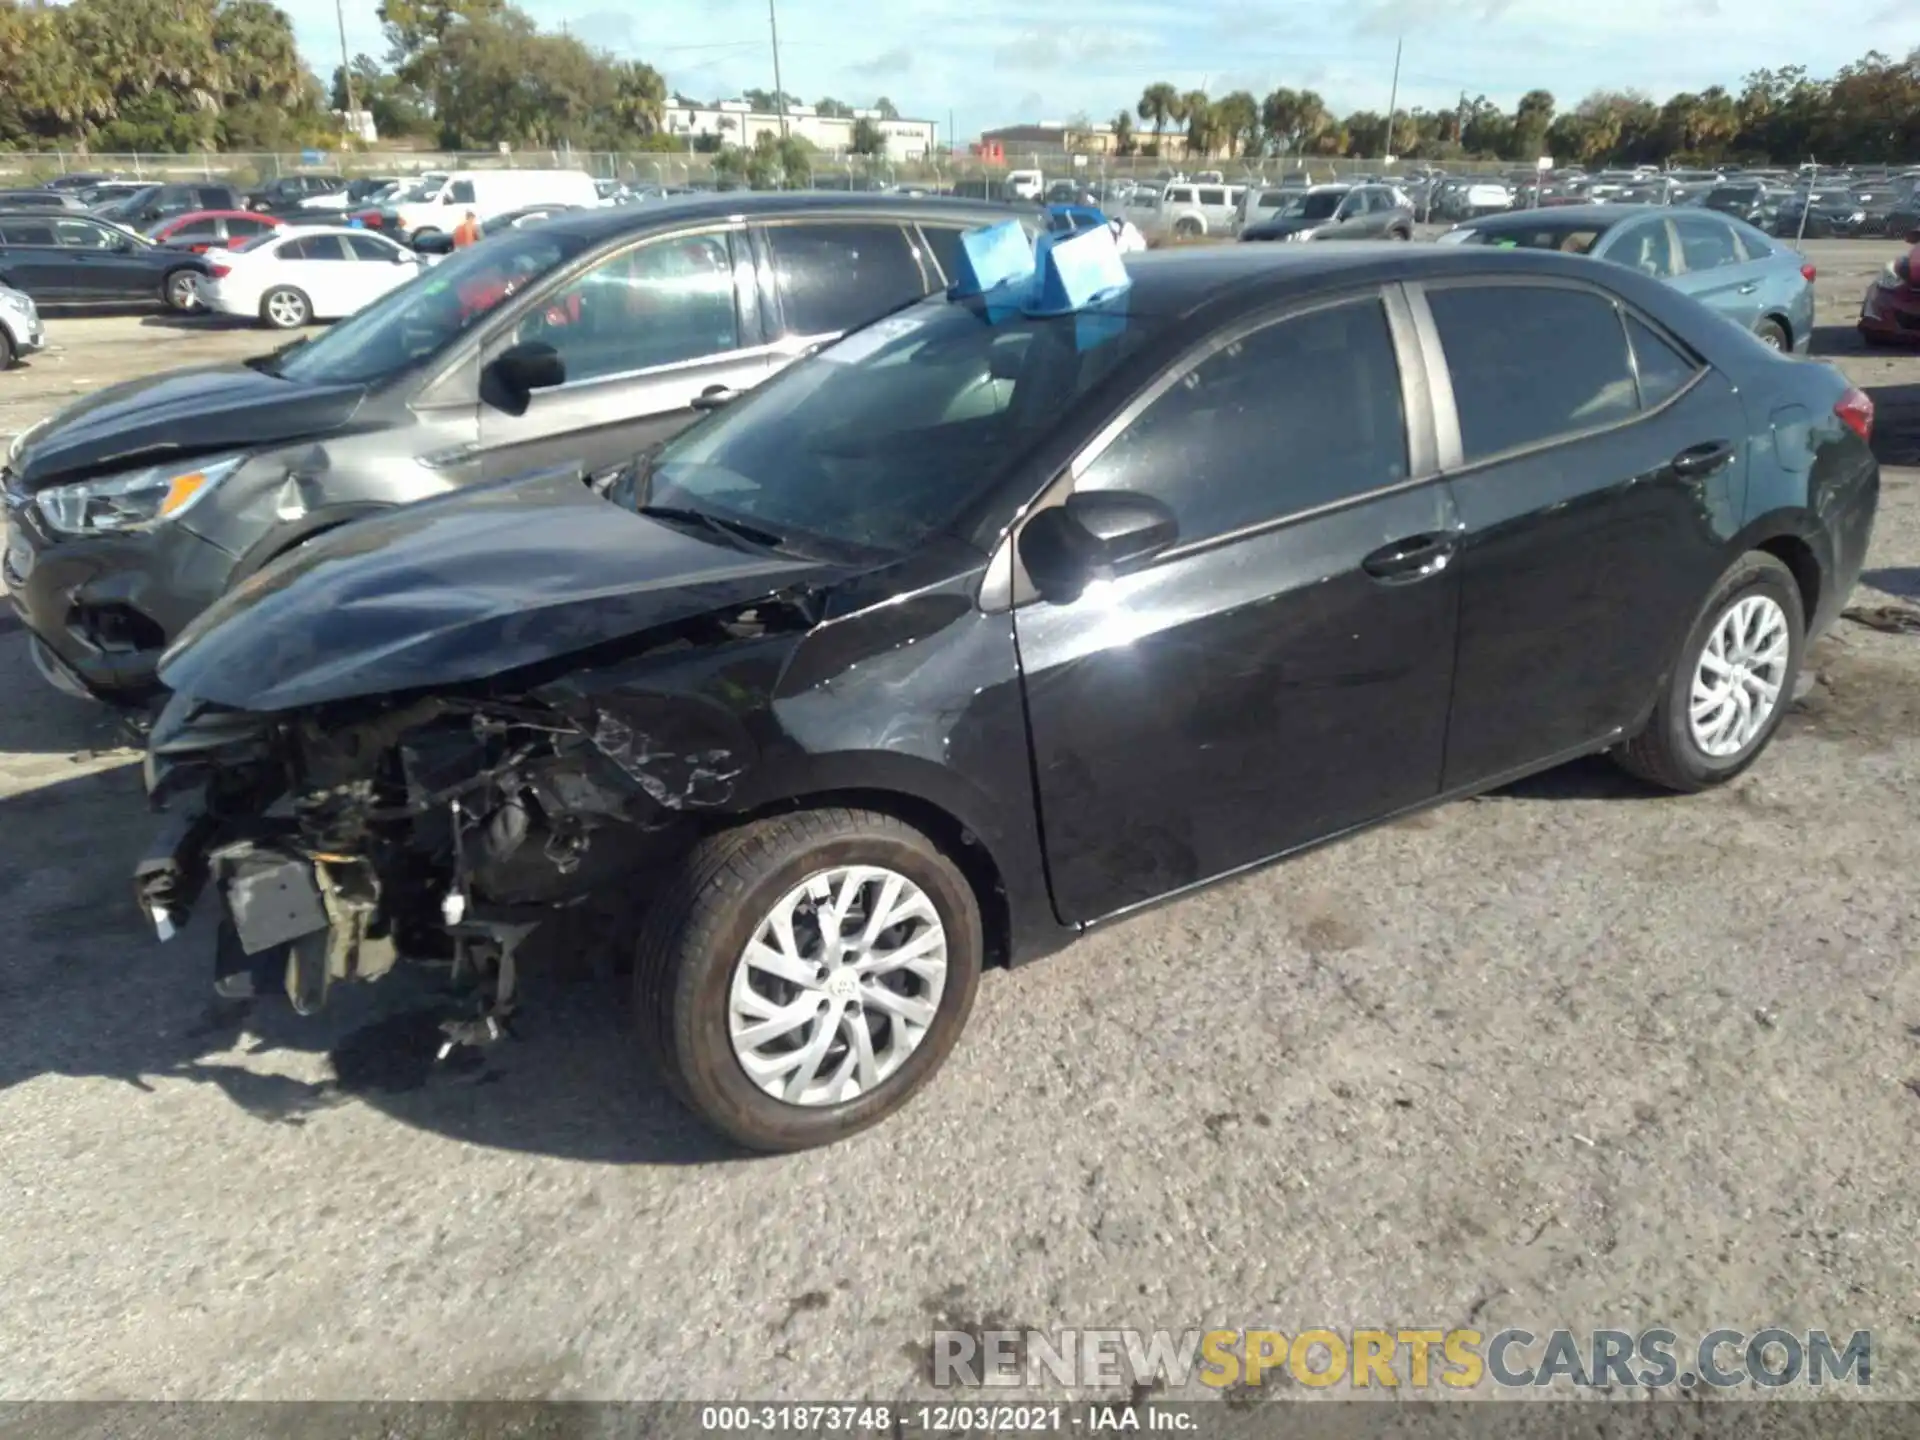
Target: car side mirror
x=1093 y=536
x=515 y=373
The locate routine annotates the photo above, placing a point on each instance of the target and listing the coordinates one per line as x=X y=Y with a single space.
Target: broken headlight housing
x=134 y=500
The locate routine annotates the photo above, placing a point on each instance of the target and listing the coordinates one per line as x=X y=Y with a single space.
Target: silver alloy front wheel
x=838 y=986
x=1737 y=683
x=183 y=291
x=286 y=309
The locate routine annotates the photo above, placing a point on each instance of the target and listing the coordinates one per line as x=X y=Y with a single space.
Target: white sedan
x=299 y=273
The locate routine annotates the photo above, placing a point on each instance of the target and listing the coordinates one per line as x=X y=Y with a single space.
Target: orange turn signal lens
x=182 y=489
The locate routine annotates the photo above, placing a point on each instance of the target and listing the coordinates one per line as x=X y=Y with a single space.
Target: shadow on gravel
x=1593 y=777
x=200 y=321
x=85 y=990
x=1901 y=580
x=1896 y=423
x=36 y=719
x=1837 y=340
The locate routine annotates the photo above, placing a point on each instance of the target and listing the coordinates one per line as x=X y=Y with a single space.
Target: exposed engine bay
x=444 y=829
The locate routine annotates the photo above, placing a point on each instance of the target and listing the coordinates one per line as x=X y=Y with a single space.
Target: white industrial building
x=737 y=123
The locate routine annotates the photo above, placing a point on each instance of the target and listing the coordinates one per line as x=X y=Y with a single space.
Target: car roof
x=1574 y=215
x=598 y=224
x=1190 y=278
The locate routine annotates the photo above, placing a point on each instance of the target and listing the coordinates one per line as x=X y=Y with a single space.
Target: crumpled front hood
x=184 y=412
x=457 y=590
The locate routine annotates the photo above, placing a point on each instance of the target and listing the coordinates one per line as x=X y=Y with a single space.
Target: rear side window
x=1753 y=245
x=313 y=247
x=1298 y=414
x=198 y=230
x=1664 y=371
x=1705 y=244
x=839 y=276
x=1213 y=197
x=26 y=232
x=1531 y=364
x=460 y=192
x=1179 y=195
x=239 y=229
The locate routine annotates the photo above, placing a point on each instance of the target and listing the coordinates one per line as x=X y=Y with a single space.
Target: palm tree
x=1237 y=118
x=640 y=96
x=1159 y=103
x=1122 y=127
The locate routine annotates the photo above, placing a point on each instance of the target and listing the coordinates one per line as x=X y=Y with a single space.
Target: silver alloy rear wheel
x=1737 y=683
x=285 y=308
x=183 y=290
x=839 y=985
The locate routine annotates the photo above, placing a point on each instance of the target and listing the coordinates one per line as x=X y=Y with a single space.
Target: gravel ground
x=1570 y=1054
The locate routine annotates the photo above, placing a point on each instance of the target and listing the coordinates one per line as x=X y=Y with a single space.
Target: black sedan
x=62 y=259
x=998 y=620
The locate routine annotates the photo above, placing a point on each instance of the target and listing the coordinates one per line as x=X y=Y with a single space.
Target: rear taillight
x=219 y=272
x=1855 y=409
x=1809 y=273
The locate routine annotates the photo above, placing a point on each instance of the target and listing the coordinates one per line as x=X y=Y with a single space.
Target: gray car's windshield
x=422 y=317
x=1317 y=206
x=889 y=436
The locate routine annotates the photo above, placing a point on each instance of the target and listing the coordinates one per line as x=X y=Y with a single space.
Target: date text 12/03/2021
x=864 y=1419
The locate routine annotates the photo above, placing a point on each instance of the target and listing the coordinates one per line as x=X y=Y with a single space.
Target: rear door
x=1282 y=672
x=320 y=266
x=378 y=266
x=642 y=334
x=1565 y=425
x=1715 y=271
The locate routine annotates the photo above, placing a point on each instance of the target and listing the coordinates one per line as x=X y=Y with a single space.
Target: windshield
x=890 y=435
x=426 y=188
x=425 y=315
x=1317 y=206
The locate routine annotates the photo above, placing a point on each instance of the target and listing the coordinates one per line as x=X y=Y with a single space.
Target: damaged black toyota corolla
x=986 y=625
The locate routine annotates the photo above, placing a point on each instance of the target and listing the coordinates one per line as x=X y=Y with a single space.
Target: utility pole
x=346 y=69
x=779 y=95
x=1393 y=95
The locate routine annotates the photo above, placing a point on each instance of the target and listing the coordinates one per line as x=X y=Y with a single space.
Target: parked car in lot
x=1752 y=201
x=588 y=337
x=1186 y=211
x=1757 y=283
x=439 y=242
x=1337 y=212
x=202 y=230
x=297 y=274
x=1828 y=214
x=1464 y=198
x=40 y=200
x=62 y=259
x=21 y=330
x=97 y=197
x=80 y=180
x=285 y=193
x=911 y=663
x=1890 y=310
x=436 y=204
x=359 y=191
x=147 y=207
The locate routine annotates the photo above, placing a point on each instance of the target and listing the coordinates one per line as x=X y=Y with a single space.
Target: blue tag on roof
x=1076 y=271
x=990 y=257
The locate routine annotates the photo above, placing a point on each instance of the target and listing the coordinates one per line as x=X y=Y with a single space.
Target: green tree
x=868 y=138
x=1159 y=103
x=1532 y=118
x=1122 y=127
x=1293 y=119
x=1236 y=117
x=833 y=109
x=885 y=108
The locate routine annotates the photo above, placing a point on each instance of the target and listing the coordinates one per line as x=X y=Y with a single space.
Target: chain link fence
x=674 y=168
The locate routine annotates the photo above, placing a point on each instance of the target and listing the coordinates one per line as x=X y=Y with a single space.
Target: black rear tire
x=700 y=924
x=1665 y=753
x=1774 y=335
x=6 y=351
x=180 y=291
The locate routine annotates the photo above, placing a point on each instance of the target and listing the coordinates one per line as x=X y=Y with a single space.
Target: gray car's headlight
x=15 y=301
x=1301 y=235
x=135 y=500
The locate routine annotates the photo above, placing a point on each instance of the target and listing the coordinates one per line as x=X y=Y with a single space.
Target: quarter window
x=1664 y=371
x=838 y=277
x=1301 y=413
x=663 y=303
x=1531 y=364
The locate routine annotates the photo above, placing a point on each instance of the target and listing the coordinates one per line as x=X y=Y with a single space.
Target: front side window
x=26 y=232
x=838 y=276
x=366 y=247
x=1298 y=414
x=460 y=193
x=662 y=303
x=198 y=230
x=1213 y=197
x=1705 y=244
x=1317 y=205
x=421 y=318
x=314 y=247
x=1531 y=363
x=890 y=435
x=82 y=235
x=238 y=228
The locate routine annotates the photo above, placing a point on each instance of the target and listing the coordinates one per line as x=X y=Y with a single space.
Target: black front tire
x=1665 y=753
x=7 y=356
x=700 y=924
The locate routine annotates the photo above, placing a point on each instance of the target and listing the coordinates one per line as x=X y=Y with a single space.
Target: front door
x=643 y=335
x=1282 y=672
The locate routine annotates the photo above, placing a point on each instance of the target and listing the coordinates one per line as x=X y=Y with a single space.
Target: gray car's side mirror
x=515 y=373
x=1094 y=535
